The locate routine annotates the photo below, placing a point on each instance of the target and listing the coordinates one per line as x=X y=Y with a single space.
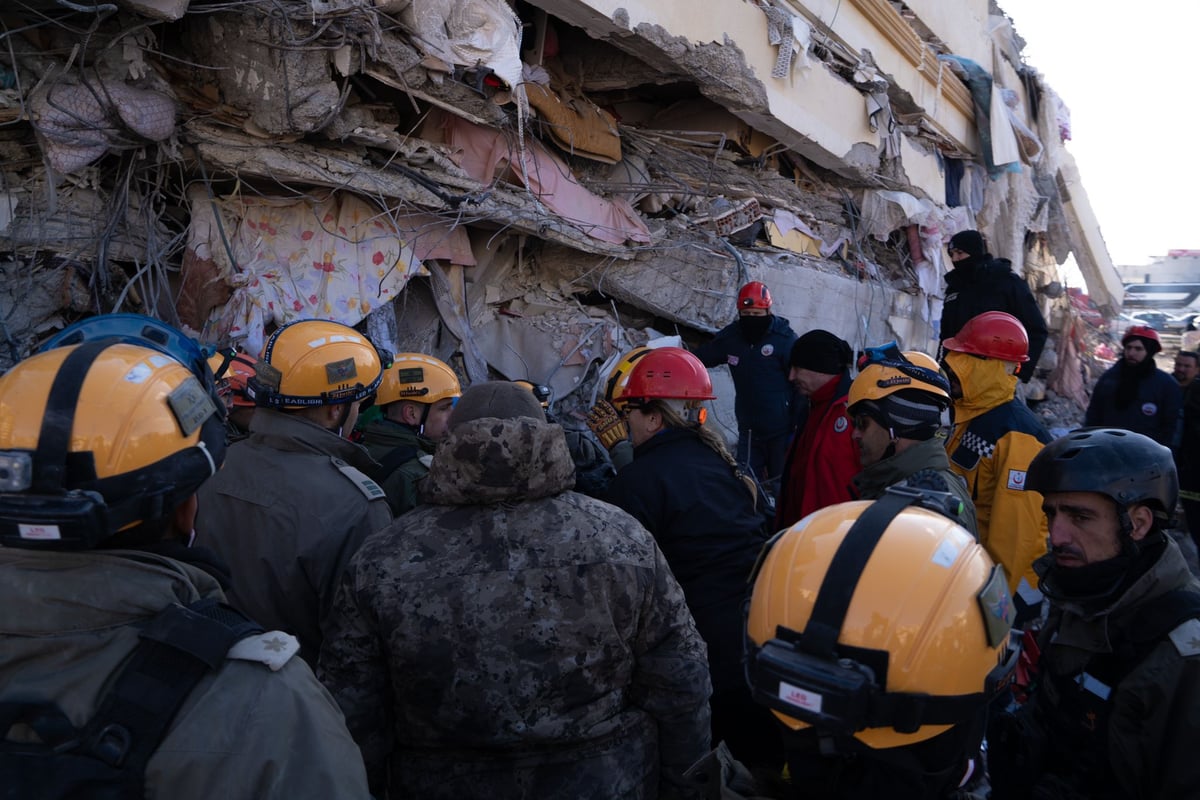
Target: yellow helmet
x=315 y=362
x=884 y=621
x=417 y=377
x=614 y=386
x=885 y=370
x=98 y=437
x=540 y=391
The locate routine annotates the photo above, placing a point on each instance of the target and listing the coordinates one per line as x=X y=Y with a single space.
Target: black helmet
x=1128 y=467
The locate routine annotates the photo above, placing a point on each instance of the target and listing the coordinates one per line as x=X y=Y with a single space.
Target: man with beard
x=1134 y=393
x=978 y=283
x=822 y=459
x=756 y=348
x=1115 y=708
x=293 y=501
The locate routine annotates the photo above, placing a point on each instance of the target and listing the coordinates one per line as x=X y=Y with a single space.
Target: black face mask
x=1104 y=580
x=754 y=328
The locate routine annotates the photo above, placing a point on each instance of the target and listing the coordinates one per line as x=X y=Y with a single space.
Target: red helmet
x=1143 y=332
x=754 y=295
x=992 y=334
x=667 y=373
x=232 y=370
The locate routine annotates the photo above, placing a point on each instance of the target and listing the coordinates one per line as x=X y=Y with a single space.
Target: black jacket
x=703 y=518
x=991 y=285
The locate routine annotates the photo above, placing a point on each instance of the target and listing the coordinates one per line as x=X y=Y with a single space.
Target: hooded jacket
x=822 y=460
x=382 y=437
x=1148 y=745
x=1154 y=411
x=287 y=510
x=989 y=284
x=247 y=730
x=764 y=402
x=923 y=465
x=512 y=634
x=995 y=437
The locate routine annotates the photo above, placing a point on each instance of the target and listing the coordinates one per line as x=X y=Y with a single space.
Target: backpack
x=106 y=758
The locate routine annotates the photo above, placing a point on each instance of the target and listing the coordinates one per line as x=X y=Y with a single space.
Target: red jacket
x=823 y=458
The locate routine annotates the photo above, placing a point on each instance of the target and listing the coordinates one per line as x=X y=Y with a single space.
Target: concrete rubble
x=521 y=189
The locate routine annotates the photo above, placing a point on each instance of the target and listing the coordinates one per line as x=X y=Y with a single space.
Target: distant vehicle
x=1174 y=296
x=1182 y=322
x=1154 y=319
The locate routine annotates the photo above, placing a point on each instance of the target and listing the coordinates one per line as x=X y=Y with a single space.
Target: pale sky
x=1127 y=70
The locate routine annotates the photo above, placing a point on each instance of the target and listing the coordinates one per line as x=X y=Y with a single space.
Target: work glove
x=608 y=424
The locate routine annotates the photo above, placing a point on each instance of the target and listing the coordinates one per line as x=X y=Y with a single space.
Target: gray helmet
x=1128 y=467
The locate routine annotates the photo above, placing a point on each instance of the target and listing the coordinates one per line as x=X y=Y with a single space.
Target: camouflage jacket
x=513 y=634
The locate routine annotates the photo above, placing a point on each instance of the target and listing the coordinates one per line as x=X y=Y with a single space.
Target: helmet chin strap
x=891 y=448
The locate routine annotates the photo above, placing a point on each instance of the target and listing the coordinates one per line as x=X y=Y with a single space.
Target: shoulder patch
x=273 y=648
x=1186 y=638
x=426 y=460
x=1016 y=479
x=361 y=481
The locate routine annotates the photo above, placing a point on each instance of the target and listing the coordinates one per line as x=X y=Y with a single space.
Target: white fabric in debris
x=469 y=33
x=1004 y=140
x=336 y=258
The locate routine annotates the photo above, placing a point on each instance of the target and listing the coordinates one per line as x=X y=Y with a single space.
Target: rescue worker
x=593 y=467
x=878 y=633
x=231 y=370
x=756 y=347
x=1187 y=454
x=1115 y=709
x=688 y=491
x=977 y=282
x=605 y=421
x=823 y=459
x=416 y=396
x=1134 y=393
x=293 y=501
x=131 y=694
x=513 y=638
x=897 y=403
x=995 y=437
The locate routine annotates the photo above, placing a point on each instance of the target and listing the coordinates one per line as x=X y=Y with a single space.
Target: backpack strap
x=1163 y=616
x=395 y=459
x=178 y=648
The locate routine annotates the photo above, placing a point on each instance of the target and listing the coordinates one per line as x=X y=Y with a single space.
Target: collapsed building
x=526 y=189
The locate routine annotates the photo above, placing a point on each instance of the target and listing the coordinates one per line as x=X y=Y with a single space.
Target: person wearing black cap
x=1134 y=393
x=822 y=460
x=978 y=282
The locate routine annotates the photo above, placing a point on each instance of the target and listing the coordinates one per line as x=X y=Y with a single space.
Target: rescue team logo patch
x=1149 y=409
x=768 y=349
x=840 y=424
x=1016 y=479
x=731 y=360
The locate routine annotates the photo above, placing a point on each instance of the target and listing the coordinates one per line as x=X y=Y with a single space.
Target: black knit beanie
x=821 y=351
x=970 y=242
